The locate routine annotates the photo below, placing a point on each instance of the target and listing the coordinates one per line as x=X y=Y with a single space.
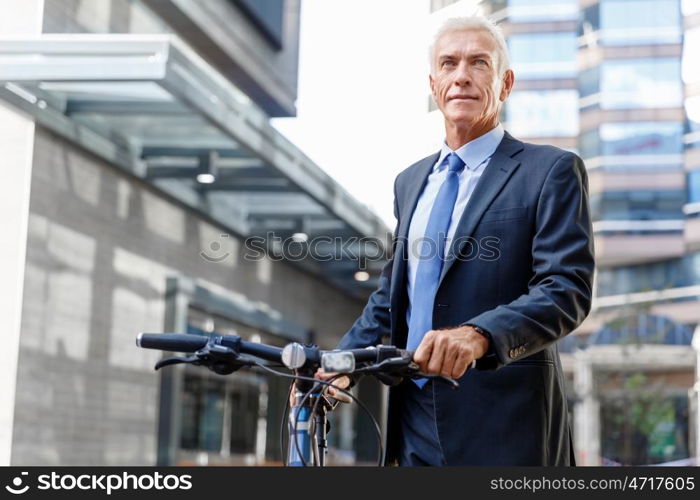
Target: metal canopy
x=150 y=105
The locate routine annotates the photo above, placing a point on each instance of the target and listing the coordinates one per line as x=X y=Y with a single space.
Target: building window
x=589 y=144
x=662 y=275
x=267 y=16
x=590 y=19
x=543 y=55
x=545 y=113
x=664 y=204
x=633 y=138
x=694 y=186
x=641 y=138
x=589 y=81
x=233 y=419
x=245 y=414
x=639 y=278
x=202 y=414
x=634 y=22
x=641 y=83
x=542 y=10
x=222 y=416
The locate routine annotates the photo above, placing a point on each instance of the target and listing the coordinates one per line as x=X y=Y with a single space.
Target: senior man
x=492 y=264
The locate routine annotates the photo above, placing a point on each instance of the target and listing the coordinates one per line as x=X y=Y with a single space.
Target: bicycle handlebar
x=221 y=353
x=293 y=355
x=177 y=342
x=183 y=342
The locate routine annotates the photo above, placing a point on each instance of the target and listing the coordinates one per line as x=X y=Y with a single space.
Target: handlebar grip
x=379 y=353
x=178 y=342
x=263 y=351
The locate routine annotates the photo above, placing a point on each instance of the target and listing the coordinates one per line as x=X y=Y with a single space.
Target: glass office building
x=137 y=159
x=617 y=81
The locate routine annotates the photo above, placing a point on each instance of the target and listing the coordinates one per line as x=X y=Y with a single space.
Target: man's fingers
x=437 y=356
x=451 y=357
x=338 y=384
x=342 y=381
x=424 y=351
x=336 y=393
x=460 y=366
x=320 y=374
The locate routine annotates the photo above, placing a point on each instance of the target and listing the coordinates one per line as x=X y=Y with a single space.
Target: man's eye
x=447 y=63
x=481 y=62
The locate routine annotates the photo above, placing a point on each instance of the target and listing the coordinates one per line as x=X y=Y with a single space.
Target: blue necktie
x=431 y=258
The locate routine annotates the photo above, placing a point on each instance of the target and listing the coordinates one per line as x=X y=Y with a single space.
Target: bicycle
x=308 y=425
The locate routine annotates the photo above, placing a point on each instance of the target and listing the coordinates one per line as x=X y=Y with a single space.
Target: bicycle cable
x=364 y=408
x=283 y=424
x=313 y=412
x=355 y=399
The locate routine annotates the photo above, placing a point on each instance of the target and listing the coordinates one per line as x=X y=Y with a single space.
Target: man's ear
x=431 y=81
x=507 y=85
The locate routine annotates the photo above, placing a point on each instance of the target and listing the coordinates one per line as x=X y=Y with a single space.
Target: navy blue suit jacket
x=520 y=267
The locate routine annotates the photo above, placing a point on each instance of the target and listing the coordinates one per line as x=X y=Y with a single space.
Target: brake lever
x=403 y=370
x=192 y=360
x=389 y=379
x=219 y=359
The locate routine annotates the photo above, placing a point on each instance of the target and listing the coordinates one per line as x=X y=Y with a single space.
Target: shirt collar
x=475 y=152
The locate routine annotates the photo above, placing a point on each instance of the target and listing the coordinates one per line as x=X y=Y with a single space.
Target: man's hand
x=449 y=352
x=341 y=382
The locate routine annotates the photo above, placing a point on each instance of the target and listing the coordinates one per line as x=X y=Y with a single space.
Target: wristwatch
x=483 y=332
x=489 y=360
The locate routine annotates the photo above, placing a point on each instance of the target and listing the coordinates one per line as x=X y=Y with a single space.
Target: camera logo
x=215 y=247
x=17 y=482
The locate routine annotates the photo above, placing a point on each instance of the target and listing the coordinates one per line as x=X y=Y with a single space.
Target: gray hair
x=474 y=23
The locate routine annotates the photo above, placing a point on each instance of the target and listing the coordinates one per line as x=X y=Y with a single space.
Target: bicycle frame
x=303 y=448
x=299 y=447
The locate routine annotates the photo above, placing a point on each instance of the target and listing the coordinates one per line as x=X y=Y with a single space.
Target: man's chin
x=461 y=120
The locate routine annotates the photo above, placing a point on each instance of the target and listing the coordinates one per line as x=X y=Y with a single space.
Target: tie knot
x=455 y=163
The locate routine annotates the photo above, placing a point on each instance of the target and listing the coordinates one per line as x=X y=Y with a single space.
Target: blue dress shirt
x=475 y=155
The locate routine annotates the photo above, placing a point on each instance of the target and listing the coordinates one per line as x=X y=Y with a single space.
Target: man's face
x=464 y=79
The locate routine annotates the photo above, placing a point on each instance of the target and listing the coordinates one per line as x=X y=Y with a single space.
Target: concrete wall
x=227 y=39
x=100 y=247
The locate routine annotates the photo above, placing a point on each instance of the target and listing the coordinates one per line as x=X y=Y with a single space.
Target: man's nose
x=462 y=75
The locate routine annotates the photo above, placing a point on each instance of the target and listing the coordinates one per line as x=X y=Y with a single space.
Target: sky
x=363 y=94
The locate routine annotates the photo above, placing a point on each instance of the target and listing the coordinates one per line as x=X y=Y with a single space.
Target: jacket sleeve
x=375 y=320
x=560 y=290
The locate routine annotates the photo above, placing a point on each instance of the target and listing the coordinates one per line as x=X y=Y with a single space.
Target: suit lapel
x=496 y=174
x=415 y=188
